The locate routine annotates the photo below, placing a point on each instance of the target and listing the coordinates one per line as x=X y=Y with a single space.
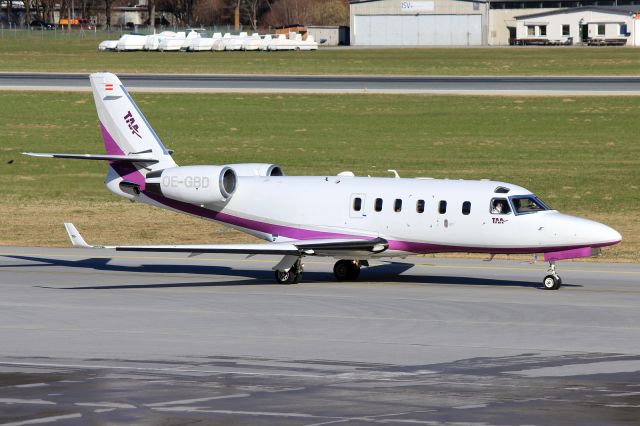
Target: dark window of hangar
x=559 y=4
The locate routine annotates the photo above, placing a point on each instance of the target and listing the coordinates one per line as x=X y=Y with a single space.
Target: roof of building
x=616 y=10
x=473 y=1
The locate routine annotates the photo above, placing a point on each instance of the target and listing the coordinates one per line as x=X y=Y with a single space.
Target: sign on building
x=417 y=6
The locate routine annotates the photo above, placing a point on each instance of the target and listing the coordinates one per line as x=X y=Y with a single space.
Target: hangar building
x=417 y=23
x=454 y=22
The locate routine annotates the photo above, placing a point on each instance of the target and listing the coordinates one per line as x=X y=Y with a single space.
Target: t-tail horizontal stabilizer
x=116 y=158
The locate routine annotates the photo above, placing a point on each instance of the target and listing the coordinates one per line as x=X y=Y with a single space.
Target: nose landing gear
x=291 y=276
x=553 y=280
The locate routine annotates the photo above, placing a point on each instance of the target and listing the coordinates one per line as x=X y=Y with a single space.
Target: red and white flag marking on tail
x=108 y=86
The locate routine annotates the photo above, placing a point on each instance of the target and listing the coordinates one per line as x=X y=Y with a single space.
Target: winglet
x=75 y=237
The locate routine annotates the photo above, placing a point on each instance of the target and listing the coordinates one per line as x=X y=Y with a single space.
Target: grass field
x=581 y=155
x=56 y=51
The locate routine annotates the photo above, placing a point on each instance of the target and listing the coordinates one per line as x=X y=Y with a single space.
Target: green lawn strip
x=579 y=154
x=56 y=51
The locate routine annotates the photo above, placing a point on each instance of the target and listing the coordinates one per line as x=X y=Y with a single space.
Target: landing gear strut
x=346 y=270
x=291 y=276
x=553 y=280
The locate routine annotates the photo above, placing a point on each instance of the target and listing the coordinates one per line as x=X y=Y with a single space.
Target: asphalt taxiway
x=89 y=336
x=491 y=85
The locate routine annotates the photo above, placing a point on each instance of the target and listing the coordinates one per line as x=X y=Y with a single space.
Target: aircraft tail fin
x=124 y=128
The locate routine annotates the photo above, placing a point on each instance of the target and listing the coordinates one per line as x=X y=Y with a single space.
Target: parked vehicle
x=37 y=24
x=77 y=23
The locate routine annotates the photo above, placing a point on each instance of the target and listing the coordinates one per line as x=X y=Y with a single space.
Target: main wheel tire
x=346 y=270
x=354 y=273
x=341 y=270
x=287 y=277
x=551 y=282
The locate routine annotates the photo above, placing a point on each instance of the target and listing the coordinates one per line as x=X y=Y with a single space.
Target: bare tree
x=9 y=11
x=210 y=12
x=27 y=11
x=152 y=14
x=181 y=9
x=107 y=12
x=236 y=16
x=328 y=12
x=254 y=9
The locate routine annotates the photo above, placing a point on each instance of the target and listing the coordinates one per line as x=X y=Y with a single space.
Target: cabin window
x=420 y=206
x=566 y=30
x=601 y=28
x=500 y=206
x=378 y=205
x=528 y=204
x=397 y=205
x=531 y=30
x=543 y=30
x=466 y=207
x=442 y=207
x=357 y=204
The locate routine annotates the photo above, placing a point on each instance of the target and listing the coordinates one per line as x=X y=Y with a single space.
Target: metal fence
x=12 y=31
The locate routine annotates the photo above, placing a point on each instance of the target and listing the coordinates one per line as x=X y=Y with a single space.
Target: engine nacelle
x=193 y=184
x=256 y=169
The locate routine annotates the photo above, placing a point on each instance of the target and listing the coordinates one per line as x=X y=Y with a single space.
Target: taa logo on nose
x=131 y=122
x=499 y=220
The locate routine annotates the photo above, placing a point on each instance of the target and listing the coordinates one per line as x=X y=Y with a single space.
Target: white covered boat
x=253 y=42
x=221 y=44
x=204 y=43
x=172 y=44
x=191 y=37
x=309 y=44
x=153 y=41
x=283 y=42
x=131 y=42
x=108 y=45
x=238 y=42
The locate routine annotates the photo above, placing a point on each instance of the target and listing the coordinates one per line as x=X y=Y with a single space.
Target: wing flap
x=267 y=248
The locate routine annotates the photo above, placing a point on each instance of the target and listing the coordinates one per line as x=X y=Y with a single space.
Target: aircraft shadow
x=393 y=272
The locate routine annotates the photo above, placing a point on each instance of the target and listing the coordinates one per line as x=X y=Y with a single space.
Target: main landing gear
x=347 y=270
x=292 y=276
x=553 y=280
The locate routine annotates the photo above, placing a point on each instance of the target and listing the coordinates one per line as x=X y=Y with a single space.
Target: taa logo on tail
x=131 y=122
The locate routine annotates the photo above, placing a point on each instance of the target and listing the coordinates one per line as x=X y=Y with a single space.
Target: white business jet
x=350 y=218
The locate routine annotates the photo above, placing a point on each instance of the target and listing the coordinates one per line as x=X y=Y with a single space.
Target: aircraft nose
x=604 y=235
x=584 y=231
x=609 y=234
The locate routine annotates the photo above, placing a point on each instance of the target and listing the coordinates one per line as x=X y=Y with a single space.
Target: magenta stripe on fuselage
x=127 y=171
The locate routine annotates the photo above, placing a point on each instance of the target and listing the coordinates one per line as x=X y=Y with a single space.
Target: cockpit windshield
x=527 y=204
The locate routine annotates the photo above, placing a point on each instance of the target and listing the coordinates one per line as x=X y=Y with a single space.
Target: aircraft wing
x=322 y=247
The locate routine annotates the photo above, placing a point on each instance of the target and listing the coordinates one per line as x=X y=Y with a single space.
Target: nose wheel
x=553 y=280
x=291 y=276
